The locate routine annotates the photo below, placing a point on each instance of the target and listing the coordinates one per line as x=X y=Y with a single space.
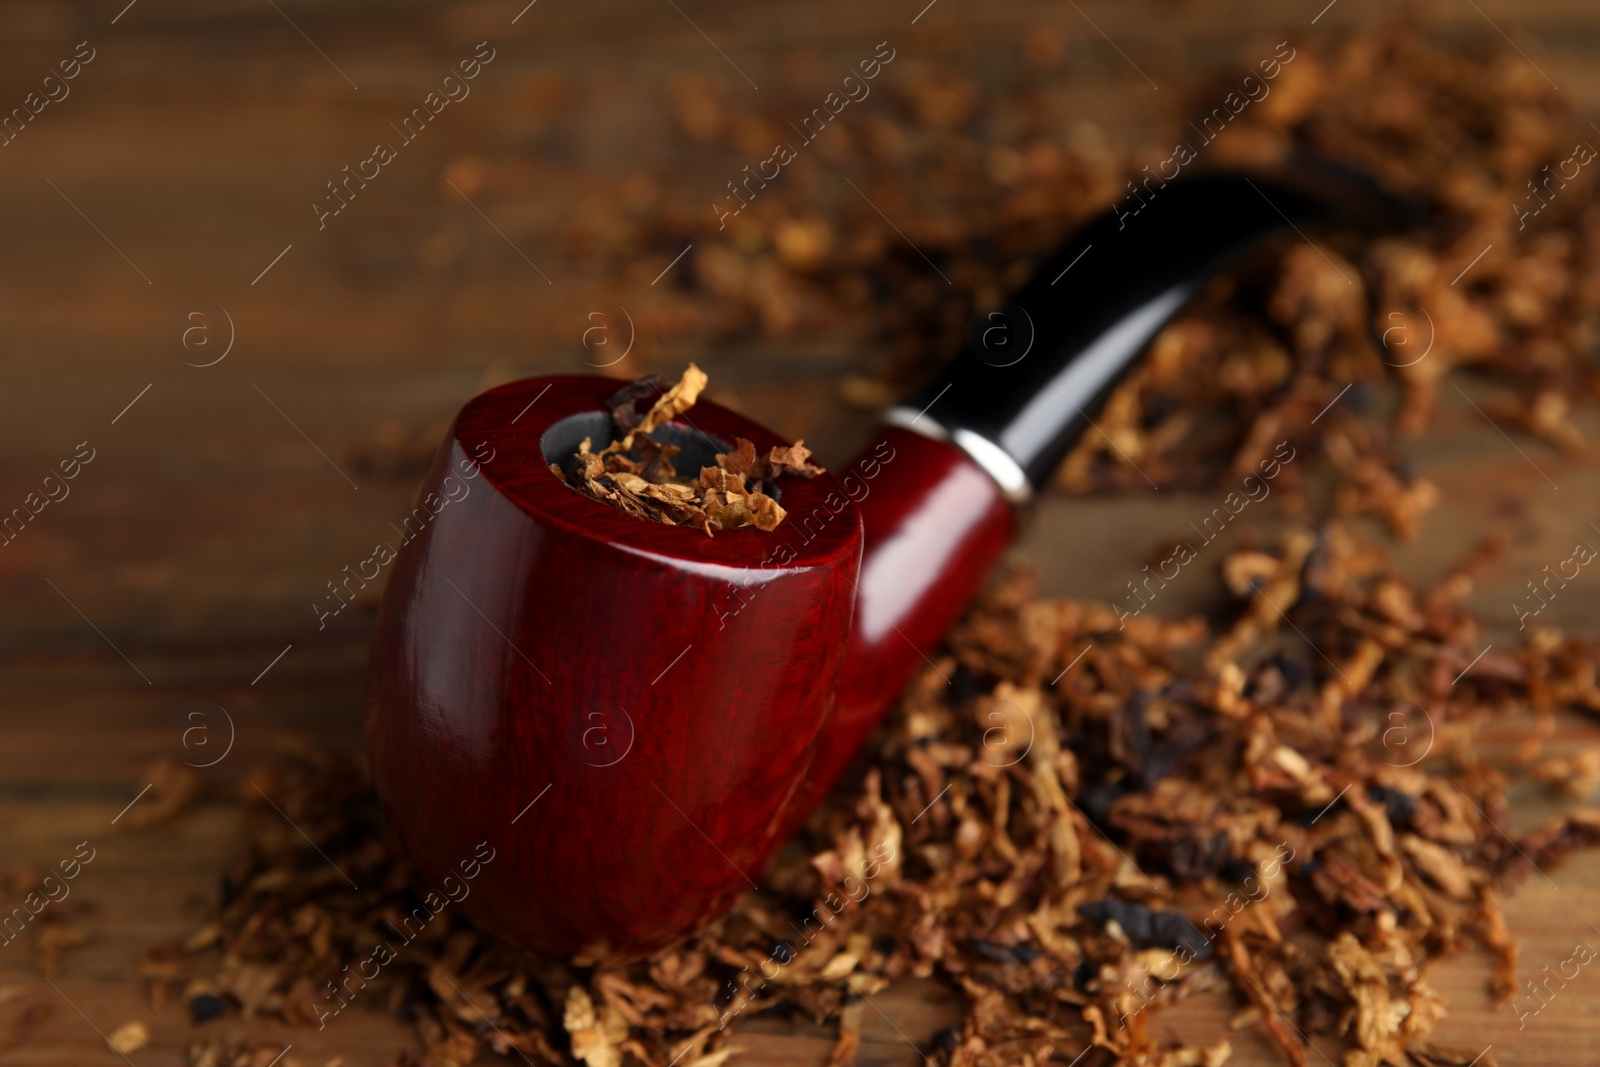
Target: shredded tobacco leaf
x=634 y=473
x=1081 y=831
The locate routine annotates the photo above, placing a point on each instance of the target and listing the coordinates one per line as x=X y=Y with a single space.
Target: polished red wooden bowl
x=656 y=695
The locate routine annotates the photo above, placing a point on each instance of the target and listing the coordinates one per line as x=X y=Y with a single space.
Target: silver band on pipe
x=990 y=457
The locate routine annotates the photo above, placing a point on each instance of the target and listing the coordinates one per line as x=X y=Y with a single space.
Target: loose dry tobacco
x=129 y=1037
x=1072 y=848
x=634 y=473
x=1095 y=815
x=987 y=183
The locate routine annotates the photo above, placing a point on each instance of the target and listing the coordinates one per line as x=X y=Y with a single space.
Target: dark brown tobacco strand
x=1060 y=821
x=724 y=497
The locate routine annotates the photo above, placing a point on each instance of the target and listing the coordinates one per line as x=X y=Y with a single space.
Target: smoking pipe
x=629 y=719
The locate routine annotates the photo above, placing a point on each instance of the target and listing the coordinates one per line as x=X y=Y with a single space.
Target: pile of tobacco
x=634 y=473
x=1097 y=815
x=1106 y=833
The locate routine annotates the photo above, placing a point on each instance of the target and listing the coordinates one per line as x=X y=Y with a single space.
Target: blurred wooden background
x=186 y=558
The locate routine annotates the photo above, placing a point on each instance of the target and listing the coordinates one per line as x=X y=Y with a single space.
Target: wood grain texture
x=200 y=537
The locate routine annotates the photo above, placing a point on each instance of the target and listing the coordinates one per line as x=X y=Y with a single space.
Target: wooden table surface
x=179 y=574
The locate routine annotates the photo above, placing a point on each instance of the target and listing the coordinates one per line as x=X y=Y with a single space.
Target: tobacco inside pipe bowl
x=634 y=716
x=561 y=441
